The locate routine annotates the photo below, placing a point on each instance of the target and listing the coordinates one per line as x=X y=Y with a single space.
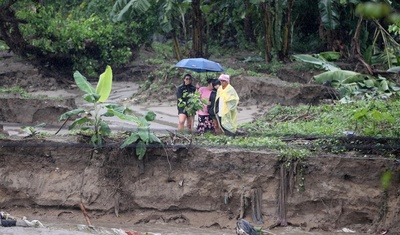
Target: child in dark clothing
x=213 y=107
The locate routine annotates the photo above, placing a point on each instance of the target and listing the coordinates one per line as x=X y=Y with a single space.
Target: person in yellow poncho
x=226 y=102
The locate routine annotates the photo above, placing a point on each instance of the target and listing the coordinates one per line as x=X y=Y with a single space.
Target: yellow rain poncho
x=228 y=102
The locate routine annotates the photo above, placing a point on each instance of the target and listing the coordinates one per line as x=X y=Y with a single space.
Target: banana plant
x=91 y=120
x=351 y=84
x=143 y=137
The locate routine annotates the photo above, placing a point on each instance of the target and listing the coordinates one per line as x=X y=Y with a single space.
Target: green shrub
x=79 y=40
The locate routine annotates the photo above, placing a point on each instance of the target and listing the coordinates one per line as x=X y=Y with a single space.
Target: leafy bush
x=3 y=46
x=79 y=42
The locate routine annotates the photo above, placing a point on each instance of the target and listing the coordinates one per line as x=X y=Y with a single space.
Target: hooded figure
x=228 y=101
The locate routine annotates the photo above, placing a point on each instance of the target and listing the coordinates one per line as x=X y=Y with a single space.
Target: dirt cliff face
x=203 y=187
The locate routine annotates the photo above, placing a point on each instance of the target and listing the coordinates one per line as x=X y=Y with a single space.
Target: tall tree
x=268 y=31
x=287 y=29
x=171 y=14
x=9 y=29
x=248 y=22
x=198 y=33
x=277 y=18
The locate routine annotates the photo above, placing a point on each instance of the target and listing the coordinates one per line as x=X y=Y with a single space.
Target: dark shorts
x=181 y=111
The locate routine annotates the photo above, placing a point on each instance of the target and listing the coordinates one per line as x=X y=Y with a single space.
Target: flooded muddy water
x=154 y=229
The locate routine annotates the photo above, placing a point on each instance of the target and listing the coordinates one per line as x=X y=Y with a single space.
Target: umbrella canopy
x=200 y=65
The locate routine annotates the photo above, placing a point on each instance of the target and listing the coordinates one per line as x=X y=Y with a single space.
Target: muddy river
x=158 y=229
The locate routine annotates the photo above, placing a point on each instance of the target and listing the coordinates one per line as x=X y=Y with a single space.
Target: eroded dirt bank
x=202 y=187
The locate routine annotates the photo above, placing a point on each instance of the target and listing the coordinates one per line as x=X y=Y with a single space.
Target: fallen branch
x=66 y=120
x=85 y=214
x=178 y=135
x=64 y=212
x=304 y=115
x=284 y=119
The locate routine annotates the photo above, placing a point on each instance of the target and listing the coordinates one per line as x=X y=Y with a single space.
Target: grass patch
x=18 y=91
x=296 y=132
x=248 y=142
x=378 y=119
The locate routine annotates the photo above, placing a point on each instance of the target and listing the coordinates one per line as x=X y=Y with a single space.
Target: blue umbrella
x=200 y=65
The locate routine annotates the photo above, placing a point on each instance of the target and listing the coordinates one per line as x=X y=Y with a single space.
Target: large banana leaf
x=360 y=78
x=330 y=55
x=105 y=83
x=82 y=83
x=131 y=139
x=123 y=116
x=123 y=9
x=338 y=75
x=318 y=61
x=394 y=69
x=70 y=113
x=329 y=14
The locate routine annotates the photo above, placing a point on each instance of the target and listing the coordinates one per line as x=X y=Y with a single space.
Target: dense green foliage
x=80 y=36
x=86 y=35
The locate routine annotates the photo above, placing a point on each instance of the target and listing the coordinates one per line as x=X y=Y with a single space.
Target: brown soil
x=207 y=187
x=198 y=186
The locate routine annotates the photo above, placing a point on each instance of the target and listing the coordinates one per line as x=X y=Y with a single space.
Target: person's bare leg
x=182 y=118
x=217 y=128
x=189 y=123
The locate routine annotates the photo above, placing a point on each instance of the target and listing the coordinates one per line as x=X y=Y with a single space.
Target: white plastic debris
x=347 y=230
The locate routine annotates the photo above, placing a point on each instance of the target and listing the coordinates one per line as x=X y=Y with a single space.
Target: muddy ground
x=203 y=187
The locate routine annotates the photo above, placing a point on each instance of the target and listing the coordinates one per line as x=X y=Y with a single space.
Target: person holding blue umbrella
x=186 y=87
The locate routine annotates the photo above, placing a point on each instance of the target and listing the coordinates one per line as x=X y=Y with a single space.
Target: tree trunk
x=268 y=32
x=12 y=36
x=277 y=28
x=177 y=49
x=355 y=47
x=197 y=49
x=248 y=24
x=9 y=29
x=286 y=33
x=355 y=42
